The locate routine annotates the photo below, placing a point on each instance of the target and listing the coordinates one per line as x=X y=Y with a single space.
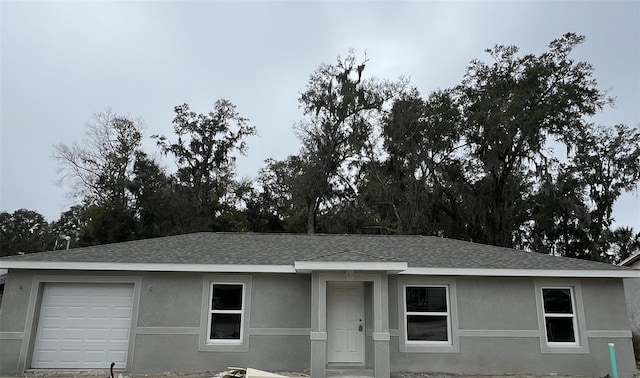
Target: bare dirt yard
x=105 y=374
x=92 y=374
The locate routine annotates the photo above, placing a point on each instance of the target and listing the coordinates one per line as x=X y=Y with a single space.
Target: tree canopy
x=506 y=157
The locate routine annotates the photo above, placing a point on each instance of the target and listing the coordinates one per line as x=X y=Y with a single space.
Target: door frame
x=377 y=335
x=361 y=312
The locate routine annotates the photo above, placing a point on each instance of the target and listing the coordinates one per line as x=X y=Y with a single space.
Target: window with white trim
x=225 y=322
x=561 y=317
x=427 y=314
x=559 y=312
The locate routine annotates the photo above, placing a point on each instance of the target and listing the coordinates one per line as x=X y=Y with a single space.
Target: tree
x=108 y=223
x=623 y=244
x=70 y=228
x=99 y=166
x=23 y=231
x=153 y=198
x=204 y=153
x=608 y=160
x=572 y=212
x=341 y=107
x=475 y=161
x=510 y=108
x=420 y=140
x=271 y=205
x=98 y=169
x=559 y=217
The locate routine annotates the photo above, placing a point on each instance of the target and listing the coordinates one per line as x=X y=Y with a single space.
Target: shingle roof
x=285 y=249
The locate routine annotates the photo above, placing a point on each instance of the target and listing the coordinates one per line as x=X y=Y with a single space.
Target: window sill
x=429 y=343
x=211 y=346
x=223 y=342
x=569 y=348
x=429 y=347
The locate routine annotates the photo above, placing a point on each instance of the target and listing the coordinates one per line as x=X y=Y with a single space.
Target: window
x=561 y=318
x=225 y=317
x=559 y=315
x=225 y=312
x=427 y=314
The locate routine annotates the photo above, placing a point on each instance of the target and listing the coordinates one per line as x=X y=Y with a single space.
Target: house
x=632 y=292
x=286 y=302
x=632 y=261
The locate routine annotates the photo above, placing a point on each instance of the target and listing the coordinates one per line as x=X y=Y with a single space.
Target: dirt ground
x=105 y=374
x=93 y=374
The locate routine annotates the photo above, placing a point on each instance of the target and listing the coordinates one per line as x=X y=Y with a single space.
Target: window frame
x=408 y=313
x=213 y=311
x=452 y=345
x=580 y=345
x=572 y=315
x=205 y=343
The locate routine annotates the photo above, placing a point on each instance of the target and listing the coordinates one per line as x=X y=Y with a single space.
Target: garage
x=83 y=326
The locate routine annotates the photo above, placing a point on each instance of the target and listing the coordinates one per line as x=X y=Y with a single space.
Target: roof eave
x=577 y=273
x=161 y=267
x=310 y=266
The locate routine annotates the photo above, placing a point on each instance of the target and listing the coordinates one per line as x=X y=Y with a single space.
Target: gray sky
x=63 y=61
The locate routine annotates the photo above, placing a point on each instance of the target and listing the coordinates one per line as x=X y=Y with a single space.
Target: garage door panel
x=73 y=334
x=45 y=355
x=116 y=356
x=54 y=311
x=120 y=313
x=95 y=356
x=121 y=335
x=94 y=334
x=50 y=334
x=70 y=355
x=83 y=325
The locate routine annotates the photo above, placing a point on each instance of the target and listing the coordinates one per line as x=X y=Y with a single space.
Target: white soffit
x=59 y=265
x=309 y=266
x=622 y=273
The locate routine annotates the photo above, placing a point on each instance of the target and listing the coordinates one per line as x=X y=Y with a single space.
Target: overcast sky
x=63 y=61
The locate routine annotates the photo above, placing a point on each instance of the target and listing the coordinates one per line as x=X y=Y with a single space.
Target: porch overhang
x=316 y=266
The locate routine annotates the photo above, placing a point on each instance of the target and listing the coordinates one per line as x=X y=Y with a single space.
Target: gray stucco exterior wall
x=496 y=325
x=632 y=294
x=167 y=326
x=499 y=332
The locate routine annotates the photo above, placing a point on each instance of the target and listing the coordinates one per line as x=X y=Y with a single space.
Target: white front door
x=345 y=322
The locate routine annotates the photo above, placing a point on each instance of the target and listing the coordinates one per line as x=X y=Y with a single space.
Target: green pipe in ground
x=612 y=358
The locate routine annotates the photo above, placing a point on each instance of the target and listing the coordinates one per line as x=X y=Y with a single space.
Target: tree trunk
x=311 y=216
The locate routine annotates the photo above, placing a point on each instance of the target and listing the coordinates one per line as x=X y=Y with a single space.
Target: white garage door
x=83 y=326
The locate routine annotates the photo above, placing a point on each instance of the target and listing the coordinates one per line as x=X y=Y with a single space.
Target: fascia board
x=310 y=266
x=622 y=273
x=97 y=266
